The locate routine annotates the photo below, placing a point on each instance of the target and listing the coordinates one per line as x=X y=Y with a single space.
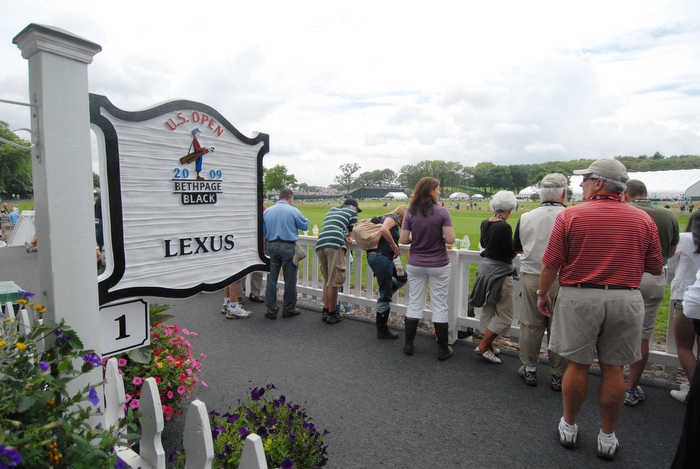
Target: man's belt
x=602 y=287
x=282 y=241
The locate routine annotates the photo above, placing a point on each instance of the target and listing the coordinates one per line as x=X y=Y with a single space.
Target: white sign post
x=62 y=176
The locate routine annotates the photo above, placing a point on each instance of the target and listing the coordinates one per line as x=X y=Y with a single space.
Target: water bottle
x=399 y=267
x=465 y=242
x=315 y=231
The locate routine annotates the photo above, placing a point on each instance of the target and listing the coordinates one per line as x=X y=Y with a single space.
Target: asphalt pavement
x=386 y=409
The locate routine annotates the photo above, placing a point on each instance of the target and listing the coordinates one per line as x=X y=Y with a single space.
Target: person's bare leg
x=611 y=396
x=637 y=368
x=573 y=390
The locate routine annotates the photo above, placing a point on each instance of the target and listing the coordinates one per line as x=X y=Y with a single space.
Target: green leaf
x=26 y=403
x=141 y=355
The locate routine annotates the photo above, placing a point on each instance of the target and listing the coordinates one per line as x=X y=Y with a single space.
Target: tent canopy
x=396 y=196
x=661 y=185
x=459 y=196
x=477 y=196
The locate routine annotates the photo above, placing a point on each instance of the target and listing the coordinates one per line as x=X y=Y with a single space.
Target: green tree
x=15 y=164
x=276 y=178
x=95 y=180
x=378 y=178
x=450 y=174
x=345 y=179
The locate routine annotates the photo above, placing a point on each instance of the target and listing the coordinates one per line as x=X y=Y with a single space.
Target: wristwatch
x=542 y=295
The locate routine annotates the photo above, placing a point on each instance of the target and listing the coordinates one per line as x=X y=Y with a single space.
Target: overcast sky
x=388 y=83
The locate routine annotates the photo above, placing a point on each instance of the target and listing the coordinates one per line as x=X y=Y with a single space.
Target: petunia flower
x=93 y=397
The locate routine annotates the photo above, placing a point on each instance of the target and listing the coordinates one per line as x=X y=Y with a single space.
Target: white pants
x=418 y=279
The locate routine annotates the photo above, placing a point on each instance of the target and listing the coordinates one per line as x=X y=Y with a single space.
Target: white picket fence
x=198 y=443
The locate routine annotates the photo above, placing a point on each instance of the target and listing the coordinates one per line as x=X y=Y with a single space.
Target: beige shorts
x=588 y=322
x=333 y=267
x=653 y=288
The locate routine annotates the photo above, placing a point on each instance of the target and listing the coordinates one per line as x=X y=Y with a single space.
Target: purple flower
x=44 y=367
x=26 y=294
x=120 y=464
x=256 y=393
x=10 y=453
x=233 y=418
x=244 y=432
x=287 y=464
x=92 y=359
x=93 y=397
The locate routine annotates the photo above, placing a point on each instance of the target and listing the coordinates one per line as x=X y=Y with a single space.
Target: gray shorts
x=589 y=322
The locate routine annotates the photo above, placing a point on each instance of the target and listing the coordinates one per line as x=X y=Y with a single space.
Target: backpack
x=367 y=232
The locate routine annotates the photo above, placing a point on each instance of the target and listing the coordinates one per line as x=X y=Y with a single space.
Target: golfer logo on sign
x=196 y=152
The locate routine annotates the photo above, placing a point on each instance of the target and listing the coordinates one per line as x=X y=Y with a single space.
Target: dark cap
x=352 y=202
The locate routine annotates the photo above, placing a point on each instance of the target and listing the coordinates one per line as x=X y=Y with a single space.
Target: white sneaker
x=224 y=308
x=488 y=355
x=680 y=394
x=237 y=312
x=607 y=450
x=496 y=350
x=567 y=438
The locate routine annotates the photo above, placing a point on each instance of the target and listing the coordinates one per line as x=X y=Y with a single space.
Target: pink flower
x=204 y=384
x=170 y=394
x=134 y=404
x=121 y=362
x=137 y=381
x=127 y=397
x=185 y=331
x=181 y=389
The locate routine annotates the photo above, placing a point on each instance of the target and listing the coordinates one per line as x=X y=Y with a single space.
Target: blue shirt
x=283 y=222
x=14 y=217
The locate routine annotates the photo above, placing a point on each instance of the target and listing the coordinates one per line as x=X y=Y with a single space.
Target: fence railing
x=360 y=290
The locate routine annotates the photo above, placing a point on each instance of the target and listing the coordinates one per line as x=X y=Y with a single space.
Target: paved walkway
x=385 y=409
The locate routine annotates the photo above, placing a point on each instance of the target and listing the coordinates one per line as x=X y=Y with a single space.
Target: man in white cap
x=530 y=240
x=600 y=249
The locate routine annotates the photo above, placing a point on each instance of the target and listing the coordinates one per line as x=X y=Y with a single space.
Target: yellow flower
x=22 y=301
x=21 y=345
x=2 y=343
x=267 y=444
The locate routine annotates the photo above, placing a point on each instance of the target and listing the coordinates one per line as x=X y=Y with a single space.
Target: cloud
x=506 y=82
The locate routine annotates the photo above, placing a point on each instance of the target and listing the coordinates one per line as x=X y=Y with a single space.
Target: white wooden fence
x=199 y=446
x=463 y=263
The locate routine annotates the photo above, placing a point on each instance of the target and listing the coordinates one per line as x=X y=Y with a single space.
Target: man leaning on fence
x=600 y=249
x=331 y=246
x=281 y=225
x=530 y=240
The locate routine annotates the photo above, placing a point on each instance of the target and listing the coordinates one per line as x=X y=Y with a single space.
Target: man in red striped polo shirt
x=600 y=249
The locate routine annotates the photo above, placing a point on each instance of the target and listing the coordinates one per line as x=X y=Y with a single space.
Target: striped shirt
x=336 y=224
x=604 y=242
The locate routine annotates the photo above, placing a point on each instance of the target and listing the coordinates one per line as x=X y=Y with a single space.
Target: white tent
x=477 y=196
x=661 y=185
x=396 y=196
x=459 y=196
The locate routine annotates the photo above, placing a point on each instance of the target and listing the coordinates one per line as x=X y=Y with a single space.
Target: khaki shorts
x=589 y=322
x=653 y=288
x=333 y=267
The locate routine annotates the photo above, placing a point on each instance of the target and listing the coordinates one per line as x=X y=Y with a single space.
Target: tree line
x=487 y=177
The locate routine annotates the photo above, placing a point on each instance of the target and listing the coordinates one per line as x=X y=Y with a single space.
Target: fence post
x=253 y=454
x=199 y=447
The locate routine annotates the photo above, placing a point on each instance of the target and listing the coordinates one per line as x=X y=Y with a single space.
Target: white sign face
x=184 y=191
x=123 y=327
